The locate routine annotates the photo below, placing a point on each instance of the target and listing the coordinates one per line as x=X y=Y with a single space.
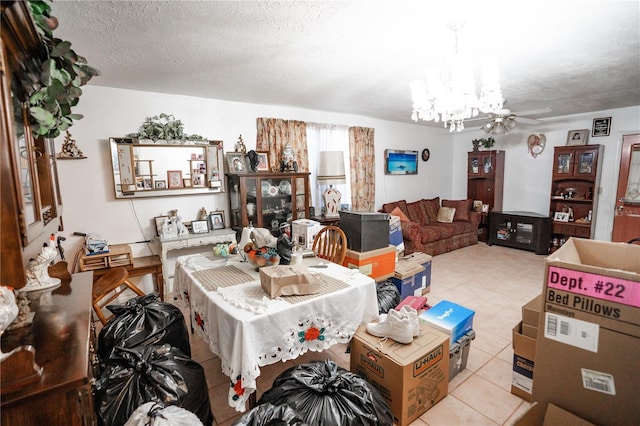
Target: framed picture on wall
x=577 y=137
x=601 y=126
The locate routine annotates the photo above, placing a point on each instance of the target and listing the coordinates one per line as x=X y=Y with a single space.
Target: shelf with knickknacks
x=70 y=150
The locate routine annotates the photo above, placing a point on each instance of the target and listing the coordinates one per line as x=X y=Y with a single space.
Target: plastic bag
x=271 y=415
x=325 y=394
x=143 y=320
x=388 y=296
x=156 y=414
x=133 y=376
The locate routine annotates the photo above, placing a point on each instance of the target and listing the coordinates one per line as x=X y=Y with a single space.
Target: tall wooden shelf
x=485 y=182
x=574 y=189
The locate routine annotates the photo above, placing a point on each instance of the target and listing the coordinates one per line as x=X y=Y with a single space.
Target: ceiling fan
x=503 y=120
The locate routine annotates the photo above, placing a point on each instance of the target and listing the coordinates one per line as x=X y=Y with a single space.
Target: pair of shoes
x=397 y=325
x=407 y=311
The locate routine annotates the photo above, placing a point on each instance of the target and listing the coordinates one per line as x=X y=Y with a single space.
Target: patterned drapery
x=363 y=179
x=275 y=133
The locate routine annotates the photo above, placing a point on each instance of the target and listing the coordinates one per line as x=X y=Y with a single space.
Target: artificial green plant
x=163 y=127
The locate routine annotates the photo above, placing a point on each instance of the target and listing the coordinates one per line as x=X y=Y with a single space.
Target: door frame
x=616 y=176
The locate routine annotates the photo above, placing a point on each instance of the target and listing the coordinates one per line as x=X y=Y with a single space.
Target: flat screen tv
x=397 y=162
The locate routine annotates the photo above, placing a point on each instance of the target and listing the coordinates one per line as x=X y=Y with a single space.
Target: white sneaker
x=396 y=327
x=408 y=312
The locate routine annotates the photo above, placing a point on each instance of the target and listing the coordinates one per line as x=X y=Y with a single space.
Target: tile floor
x=493 y=281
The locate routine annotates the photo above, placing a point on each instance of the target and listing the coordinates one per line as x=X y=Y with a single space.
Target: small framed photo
x=601 y=126
x=174 y=177
x=194 y=156
x=159 y=221
x=263 y=161
x=161 y=184
x=147 y=183
x=186 y=182
x=197 y=179
x=485 y=208
x=216 y=219
x=577 y=137
x=236 y=162
x=561 y=217
x=199 y=226
x=477 y=205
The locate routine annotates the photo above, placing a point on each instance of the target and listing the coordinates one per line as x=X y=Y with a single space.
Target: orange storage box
x=379 y=264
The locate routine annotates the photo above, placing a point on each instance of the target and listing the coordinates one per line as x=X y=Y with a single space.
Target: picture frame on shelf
x=236 y=162
x=159 y=221
x=577 y=137
x=263 y=161
x=174 y=179
x=147 y=183
x=161 y=184
x=485 y=208
x=186 y=182
x=477 y=205
x=197 y=180
x=216 y=219
x=561 y=217
x=199 y=226
x=601 y=126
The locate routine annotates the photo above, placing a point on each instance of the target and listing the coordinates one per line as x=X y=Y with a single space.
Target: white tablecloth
x=248 y=330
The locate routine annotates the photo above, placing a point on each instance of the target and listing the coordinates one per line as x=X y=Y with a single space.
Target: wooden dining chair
x=108 y=287
x=330 y=244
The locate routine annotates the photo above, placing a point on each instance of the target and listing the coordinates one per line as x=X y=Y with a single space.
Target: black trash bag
x=143 y=320
x=271 y=415
x=160 y=373
x=325 y=394
x=388 y=296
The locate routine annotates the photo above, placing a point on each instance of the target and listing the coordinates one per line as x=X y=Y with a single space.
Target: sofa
x=432 y=227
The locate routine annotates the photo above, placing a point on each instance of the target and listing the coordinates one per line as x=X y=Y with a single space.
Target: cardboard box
x=459 y=354
x=553 y=416
x=524 y=353
x=529 y=330
x=395 y=233
x=531 y=312
x=449 y=318
x=303 y=231
x=587 y=348
x=412 y=378
x=407 y=278
x=365 y=231
x=425 y=278
x=286 y=280
x=379 y=264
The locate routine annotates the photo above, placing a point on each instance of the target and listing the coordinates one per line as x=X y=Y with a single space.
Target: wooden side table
x=142 y=266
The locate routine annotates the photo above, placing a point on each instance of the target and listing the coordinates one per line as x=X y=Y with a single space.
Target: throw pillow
x=416 y=213
x=431 y=208
x=399 y=213
x=445 y=214
x=402 y=205
x=463 y=208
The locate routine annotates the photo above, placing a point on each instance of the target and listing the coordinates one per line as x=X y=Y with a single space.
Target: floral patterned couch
x=422 y=232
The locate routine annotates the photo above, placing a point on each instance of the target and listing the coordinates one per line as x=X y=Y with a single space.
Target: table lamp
x=331 y=172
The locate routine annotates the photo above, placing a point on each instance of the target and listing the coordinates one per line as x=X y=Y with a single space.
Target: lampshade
x=331 y=168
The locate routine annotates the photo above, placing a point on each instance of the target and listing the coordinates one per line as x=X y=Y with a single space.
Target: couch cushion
x=431 y=208
x=446 y=214
x=463 y=208
x=399 y=213
x=416 y=213
x=402 y=205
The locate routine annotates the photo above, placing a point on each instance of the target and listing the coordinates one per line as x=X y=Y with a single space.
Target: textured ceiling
x=359 y=57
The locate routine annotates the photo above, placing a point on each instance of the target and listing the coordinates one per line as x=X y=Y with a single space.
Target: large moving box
x=553 y=416
x=407 y=277
x=412 y=378
x=587 y=349
x=425 y=277
x=379 y=264
x=524 y=353
x=365 y=231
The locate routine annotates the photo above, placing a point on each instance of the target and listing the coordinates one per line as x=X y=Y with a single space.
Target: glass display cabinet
x=485 y=181
x=267 y=199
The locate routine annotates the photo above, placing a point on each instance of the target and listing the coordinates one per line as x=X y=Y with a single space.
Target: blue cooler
x=450 y=318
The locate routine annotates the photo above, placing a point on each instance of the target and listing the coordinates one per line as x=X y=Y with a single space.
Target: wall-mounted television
x=397 y=162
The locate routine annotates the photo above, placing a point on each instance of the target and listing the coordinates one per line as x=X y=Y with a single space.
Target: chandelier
x=450 y=96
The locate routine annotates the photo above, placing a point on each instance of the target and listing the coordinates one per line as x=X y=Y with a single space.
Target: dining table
x=247 y=329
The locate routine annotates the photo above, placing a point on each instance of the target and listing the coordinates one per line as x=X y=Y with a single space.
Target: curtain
x=275 y=133
x=327 y=137
x=363 y=179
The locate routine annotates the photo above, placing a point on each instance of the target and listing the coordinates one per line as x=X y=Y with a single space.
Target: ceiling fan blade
x=525 y=120
x=533 y=112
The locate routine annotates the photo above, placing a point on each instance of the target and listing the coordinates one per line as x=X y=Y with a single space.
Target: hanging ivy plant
x=164 y=127
x=61 y=76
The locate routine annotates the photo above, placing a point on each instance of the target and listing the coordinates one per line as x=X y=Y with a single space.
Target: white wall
x=87 y=185
x=527 y=180
x=90 y=205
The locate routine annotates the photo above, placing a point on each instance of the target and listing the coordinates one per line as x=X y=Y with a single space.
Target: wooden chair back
x=108 y=287
x=330 y=244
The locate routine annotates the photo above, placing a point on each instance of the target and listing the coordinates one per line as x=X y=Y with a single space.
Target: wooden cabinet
x=30 y=207
x=62 y=336
x=574 y=191
x=523 y=230
x=485 y=181
x=267 y=199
